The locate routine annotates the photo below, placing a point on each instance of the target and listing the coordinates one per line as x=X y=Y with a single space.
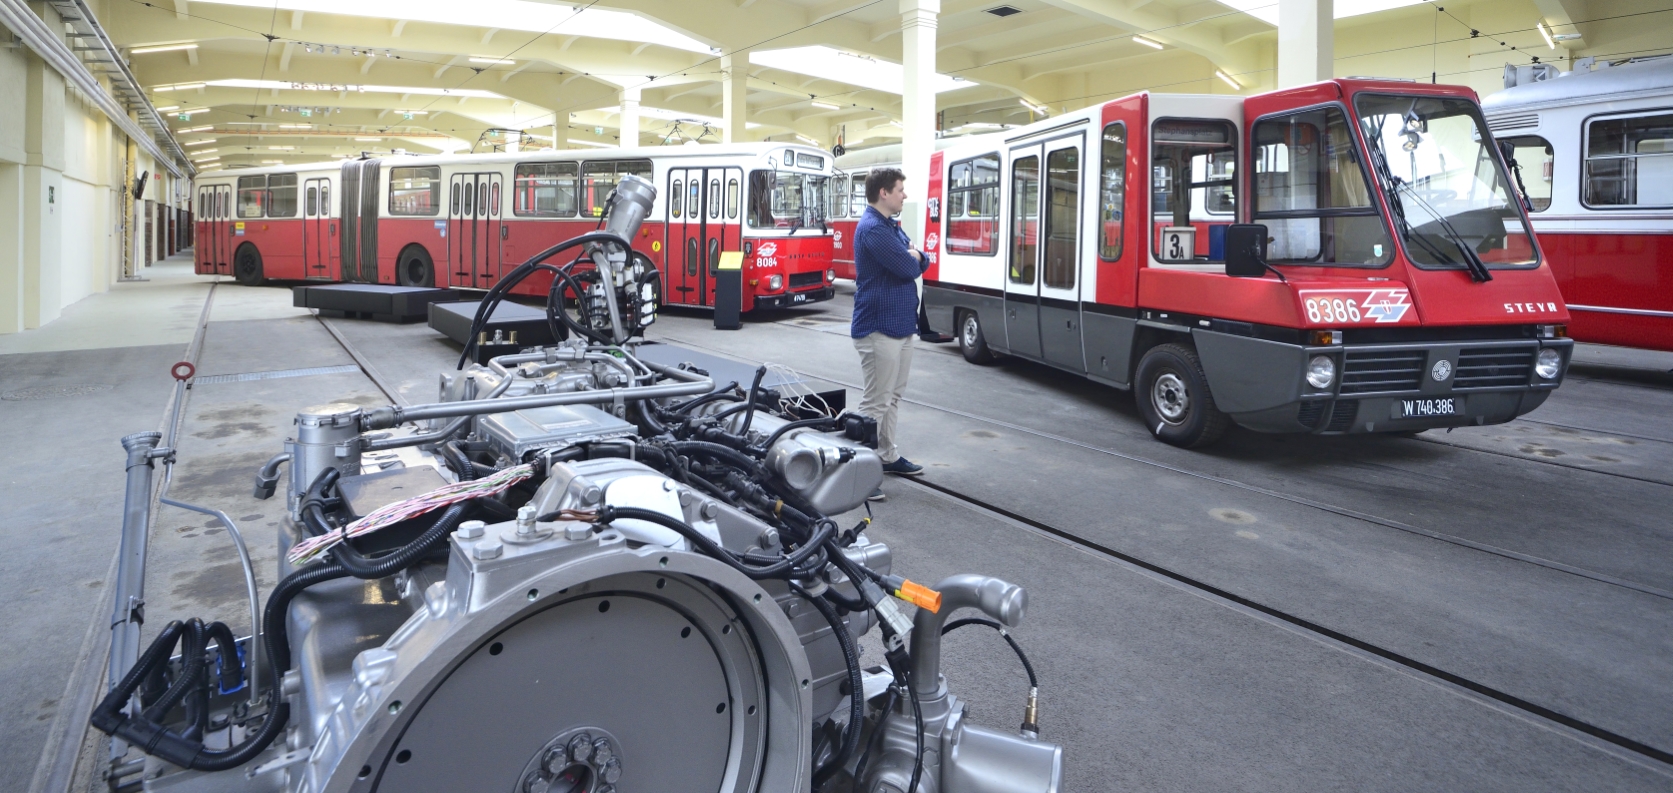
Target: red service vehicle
x=847 y=206
x=461 y=221
x=1343 y=257
x=1594 y=148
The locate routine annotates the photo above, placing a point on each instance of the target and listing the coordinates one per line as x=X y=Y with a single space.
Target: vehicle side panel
x=1615 y=271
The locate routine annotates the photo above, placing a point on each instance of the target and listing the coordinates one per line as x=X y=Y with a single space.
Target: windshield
x=1445 y=180
x=786 y=200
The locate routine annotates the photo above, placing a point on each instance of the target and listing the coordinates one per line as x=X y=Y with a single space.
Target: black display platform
x=514 y=323
x=371 y=301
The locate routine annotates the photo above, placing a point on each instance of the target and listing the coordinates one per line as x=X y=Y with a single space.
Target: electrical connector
x=915 y=593
x=899 y=627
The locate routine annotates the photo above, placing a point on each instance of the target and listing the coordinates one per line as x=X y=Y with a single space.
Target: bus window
x=973 y=205
x=782 y=199
x=714 y=198
x=545 y=189
x=599 y=177
x=732 y=199
x=312 y=207
x=1311 y=193
x=676 y=206
x=693 y=197
x=453 y=192
x=325 y=199
x=281 y=195
x=415 y=190
x=252 y=191
x=1062 y=217
x=1629 y=161
x=1025 y=217
x=1193 y=164
x=1112 y=191
x=1534 y=161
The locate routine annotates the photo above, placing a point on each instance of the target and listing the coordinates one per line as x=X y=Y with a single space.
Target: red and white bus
x=461 y=221
x=1595 y=150
x=1408 y=294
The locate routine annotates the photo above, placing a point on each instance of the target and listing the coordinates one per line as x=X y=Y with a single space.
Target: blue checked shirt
x=886 y=271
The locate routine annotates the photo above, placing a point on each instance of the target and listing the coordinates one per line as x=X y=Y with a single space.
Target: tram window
x=415 y=190
x=1629 y=161
x=973 y=205
x=494 y=198
x=1193 y=180
x=677 y=206
x=1025 y=217
x=252 y=193
x=1112 y=191
x=837 y=200
x=732 y=191
x=544 y=189
x=325 y=199
x=857 y=193
x=1311 y=192
x=482 y=205
x=714 y=198
x=453 y=193
x=599 y=177
x=694 y=195
x=1535 y=160
x=281 y=195
x=470 y=200
x=1062 y=217
x=312 y=208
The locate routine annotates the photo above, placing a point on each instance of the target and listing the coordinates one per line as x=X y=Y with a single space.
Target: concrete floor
x=1528 y=557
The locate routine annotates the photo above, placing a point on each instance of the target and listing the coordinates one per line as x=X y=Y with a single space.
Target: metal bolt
x=471 y=529
x=555 y=761
x=537 y=784
x=667 y=486
x=593 y=495
x=525 y=519
x=581 y=747
x=488 y=550
x=612 y=771
x=769 y=537
x=602 y=754
x=710 y=510
x=686 y=497
x=576 y=531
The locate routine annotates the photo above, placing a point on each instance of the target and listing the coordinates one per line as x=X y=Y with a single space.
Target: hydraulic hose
x=736 y=458
x=1031 y=711
x=492 y=299
x=856 y=687
x=383 y=566
x=749 y=415
x=710 y=547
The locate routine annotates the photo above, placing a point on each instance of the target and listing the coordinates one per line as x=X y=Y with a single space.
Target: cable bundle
x=314 y=547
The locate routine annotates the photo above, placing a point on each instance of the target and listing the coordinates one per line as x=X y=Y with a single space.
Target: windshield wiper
x=1392 y=185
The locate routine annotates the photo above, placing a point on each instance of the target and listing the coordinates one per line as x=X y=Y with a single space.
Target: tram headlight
x=775 y=283
x=830 y=275
x=1321 y=371
x=1548 y=363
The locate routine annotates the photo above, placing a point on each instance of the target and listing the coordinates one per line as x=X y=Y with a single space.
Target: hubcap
x=971 y=330
x=1170 y=398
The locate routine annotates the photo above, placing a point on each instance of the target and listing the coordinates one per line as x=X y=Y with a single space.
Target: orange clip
x=919 y=595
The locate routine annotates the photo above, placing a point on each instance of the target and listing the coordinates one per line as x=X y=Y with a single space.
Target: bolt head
x=577 y=531
x=593 y=495
x=471 y=529
x=525 y=513
x=487 y=550
x=555 y=761
x=602 y=753
x=612 y=771
x=537 y=784
x=710 y=510
x=581 y=748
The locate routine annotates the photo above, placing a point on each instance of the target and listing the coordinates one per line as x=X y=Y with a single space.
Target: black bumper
x=795 y=298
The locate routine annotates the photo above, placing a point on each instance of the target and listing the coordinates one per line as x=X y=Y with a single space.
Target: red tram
x=461 y=221
x=1383 y=277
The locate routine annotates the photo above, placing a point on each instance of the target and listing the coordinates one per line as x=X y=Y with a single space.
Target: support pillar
x=1306 y=41
x=43 y=176
x=734 y=93
x=560 y=132
x=917 y=99
x=630 y=115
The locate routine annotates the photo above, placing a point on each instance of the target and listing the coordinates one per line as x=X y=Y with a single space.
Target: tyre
x=246 y=266
x=1174 y=399
x=415 y=268
x=971 y=342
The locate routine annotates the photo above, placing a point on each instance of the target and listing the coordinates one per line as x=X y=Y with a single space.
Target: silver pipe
x=447 y=431
x=1000 y=600
x=391 y=416
x=254 y=651
x=128 y=610
x=267 y=479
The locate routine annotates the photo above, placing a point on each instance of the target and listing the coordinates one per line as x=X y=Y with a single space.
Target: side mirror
x=1246 y=250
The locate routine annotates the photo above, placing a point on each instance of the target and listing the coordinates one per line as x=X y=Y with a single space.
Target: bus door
x=704 y=218
x=474 y=229
x=222 y=229
x=317 y=228
x=206 y=216
x=1022 y=265
x=1059 y=243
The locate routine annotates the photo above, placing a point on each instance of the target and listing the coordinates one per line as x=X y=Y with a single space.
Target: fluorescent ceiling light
x=1038 y=109
x=207 y=159
x=163 y=89
x=1228 y=79
x=161 y=48
x=1147 y=42
x=167 y=108
x=1545 y=33
x=204 y=128
x=202 y=142
x=296 y=126
x=272 y=162
x=829 y=63
x=280 y=148
x=534 y=17
x=359 y=89
x=192 y=111
x=204 y=151
x=1267 y=10
x=486 y=59
x=826 y=106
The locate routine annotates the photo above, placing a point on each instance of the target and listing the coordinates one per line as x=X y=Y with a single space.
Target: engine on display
x=578 y=570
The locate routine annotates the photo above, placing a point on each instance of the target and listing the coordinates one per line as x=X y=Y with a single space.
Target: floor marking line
x=274 y=374
x=364 y=364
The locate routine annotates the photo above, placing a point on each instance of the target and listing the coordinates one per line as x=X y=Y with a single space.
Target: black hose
x=753 y=387
x=458 y=460
x=712 y=396
x=876 y=735
x=1033 y=682
x=730 y=455
x=710 y=547
x=191 y=670
x=856 y=687
x=497 y=292
x=383 y=566
x=232 y=667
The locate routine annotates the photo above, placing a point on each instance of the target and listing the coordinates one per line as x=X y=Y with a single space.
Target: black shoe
x=903 y=467
x=877 y=495
x=936 y=338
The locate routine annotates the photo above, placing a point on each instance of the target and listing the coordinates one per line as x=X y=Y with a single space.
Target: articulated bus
x=462 y=221
x=1343 y=257
x=1595 y=150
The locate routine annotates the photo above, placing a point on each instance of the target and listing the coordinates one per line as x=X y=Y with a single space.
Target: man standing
x=885 y=310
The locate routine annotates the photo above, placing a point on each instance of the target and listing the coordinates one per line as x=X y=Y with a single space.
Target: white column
x=560 y=131
x=917 y=101
x=630 y=116
x=734 y=92
x=1306 y=41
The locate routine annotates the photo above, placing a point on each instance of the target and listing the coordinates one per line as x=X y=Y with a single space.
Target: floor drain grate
x=275 y=375
x=55 y=391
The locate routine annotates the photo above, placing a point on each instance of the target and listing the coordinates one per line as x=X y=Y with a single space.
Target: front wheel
x=971 y=342
x=415 y=268
x=1174 y=400
x=246 y=266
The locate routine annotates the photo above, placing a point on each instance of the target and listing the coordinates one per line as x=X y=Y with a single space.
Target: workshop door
x=704 y=219
x=318 y=229
x=474 y=229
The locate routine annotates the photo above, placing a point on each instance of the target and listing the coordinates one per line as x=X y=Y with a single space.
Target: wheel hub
x=1170 y=397
x=971 y=329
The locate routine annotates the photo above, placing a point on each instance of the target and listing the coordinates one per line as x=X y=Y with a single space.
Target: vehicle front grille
x=1493 y=367
x=1310 y=413
x=815 y=278
x=1374 y=371
x=1342 y=415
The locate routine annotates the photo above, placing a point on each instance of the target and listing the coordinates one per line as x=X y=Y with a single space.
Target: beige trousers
x=886 y=363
